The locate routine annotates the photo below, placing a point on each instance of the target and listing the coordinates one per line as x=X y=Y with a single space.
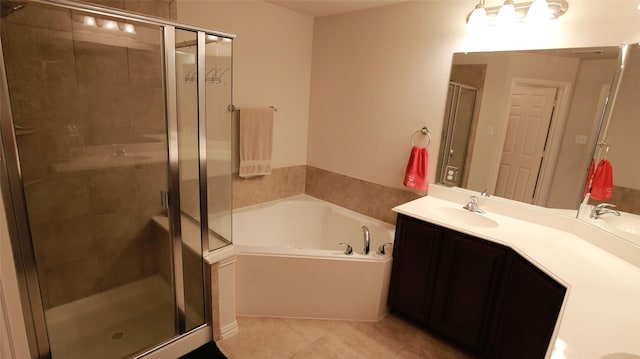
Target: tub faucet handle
x=381 y=250
x=348 y=250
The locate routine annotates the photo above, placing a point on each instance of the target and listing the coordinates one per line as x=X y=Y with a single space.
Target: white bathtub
x=291 y=264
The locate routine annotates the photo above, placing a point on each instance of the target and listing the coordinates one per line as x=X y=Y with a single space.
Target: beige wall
x=381 y=74
x=594 y=77
x=272 y=64
x=503 y=69
x=624 y=129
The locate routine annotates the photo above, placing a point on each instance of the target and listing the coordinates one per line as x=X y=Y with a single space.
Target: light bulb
x=110 y=25
x=129 y=28
x=478 y=17
x=89 y=21
x=538 y=12
x=507 y=14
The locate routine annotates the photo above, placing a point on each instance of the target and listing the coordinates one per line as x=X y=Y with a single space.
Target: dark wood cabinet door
x=479 y=294
x=415 y=255
x=467 y=284
x=527 y=312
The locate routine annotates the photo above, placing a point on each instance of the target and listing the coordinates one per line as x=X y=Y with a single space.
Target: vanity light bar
x=489 y=15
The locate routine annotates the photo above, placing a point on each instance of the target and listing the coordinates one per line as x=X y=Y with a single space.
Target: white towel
x=256 y=136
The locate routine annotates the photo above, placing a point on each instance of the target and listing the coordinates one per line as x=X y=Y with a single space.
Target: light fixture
x=507 y=14
x=478 y=17
x=532 y=12
x=538 y=12
x=89 y=21
x=128 y=28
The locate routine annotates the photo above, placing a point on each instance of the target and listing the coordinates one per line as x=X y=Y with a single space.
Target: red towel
x=589 y=177
x=416 y=174
x=602 y=185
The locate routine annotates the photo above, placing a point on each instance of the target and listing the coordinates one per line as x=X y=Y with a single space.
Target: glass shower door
x=87 y=103
x=459 y=123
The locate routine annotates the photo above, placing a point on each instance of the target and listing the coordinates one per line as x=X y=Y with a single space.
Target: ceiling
x=318 y=8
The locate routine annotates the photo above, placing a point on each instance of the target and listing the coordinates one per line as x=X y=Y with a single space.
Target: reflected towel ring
x=424 y=131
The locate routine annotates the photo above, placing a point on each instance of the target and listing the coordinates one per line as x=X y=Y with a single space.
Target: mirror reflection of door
x=461 y=103
x=526 y=142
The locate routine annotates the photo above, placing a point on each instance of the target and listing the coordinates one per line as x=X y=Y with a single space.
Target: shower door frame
x=449 y=129
x=15 y=201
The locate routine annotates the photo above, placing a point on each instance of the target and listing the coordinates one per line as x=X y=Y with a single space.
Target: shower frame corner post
x=19 y=234
x=202 y=166
x=174 y=174
x=202 y=142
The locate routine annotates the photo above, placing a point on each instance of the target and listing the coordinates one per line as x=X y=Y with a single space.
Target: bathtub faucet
x=367 y=240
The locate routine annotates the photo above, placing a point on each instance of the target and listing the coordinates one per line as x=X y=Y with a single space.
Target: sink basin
x=624 y=223
x=460 y=215
x=626 y=226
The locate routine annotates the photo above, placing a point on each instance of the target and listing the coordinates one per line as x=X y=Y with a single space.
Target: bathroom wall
x=592 y=81
x=377 y=76
x=380 y=74
x=271 y=65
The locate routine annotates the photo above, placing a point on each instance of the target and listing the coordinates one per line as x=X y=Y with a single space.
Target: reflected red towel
x=416 y=174
x=589 y=177
x=602 y=185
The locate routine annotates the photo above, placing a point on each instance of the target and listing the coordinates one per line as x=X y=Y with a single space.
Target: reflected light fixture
x=510 y=12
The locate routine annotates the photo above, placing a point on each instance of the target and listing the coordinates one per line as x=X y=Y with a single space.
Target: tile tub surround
x=364 y=197
x=281 y=183
x=603 y=289
x=626 y=199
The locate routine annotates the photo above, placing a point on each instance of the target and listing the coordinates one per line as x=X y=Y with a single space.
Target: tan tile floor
x=390 y=338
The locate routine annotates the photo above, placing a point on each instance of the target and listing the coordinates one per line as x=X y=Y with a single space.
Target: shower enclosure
x=459 y=119
x=115 y=173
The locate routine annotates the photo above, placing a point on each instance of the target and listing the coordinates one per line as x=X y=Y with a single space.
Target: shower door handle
x=165 y=198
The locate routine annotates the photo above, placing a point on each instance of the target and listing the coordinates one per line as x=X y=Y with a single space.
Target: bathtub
x=290 y=262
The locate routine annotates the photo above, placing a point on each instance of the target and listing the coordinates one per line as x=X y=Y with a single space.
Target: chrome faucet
x=367 y=240
x=473 y=205
x=603 y=208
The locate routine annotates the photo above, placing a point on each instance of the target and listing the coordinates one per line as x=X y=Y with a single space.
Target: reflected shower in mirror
x=524 y=124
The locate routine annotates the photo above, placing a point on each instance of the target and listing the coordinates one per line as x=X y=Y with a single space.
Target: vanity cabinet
x=480 y=295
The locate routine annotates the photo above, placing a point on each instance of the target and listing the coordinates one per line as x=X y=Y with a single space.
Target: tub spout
x=367 y=240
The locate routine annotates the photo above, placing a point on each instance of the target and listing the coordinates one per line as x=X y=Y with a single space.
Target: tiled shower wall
x=90 y=220
x=160 y=8
x=368 y=198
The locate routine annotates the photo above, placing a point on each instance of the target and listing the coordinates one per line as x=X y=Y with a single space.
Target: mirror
x=619 y=144
x=524 y=124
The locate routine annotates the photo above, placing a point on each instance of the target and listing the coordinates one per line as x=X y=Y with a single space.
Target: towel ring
x=424 y=131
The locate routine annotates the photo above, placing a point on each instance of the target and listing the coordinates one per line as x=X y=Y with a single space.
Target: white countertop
x=601 y=312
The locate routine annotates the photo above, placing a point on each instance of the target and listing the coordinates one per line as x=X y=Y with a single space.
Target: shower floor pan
x=113 y=324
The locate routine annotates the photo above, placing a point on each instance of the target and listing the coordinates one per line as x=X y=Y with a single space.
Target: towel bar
x=425 y=131
x=232 y=108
